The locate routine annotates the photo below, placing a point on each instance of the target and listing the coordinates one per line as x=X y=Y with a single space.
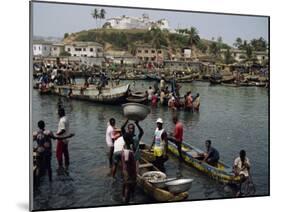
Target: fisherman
x=162 y=84
x=133 y=140
x=129 y=171
x=188 y=101
x=109 y=140
x=241 y=167
x=44 y=148
x=62 y=145
x=150 y=92
x=177 y=136
x=118 y=147
x=160 y=145
x=154 y=99
x=196 y=102
x=212 y=155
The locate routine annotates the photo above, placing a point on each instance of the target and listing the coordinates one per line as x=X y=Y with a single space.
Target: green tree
x=214 y=49
x=65 y=35
x=228 y=59
x=238 y=42
x=259 y=44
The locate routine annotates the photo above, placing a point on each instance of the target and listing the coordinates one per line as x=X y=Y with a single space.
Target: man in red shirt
x=177 y=136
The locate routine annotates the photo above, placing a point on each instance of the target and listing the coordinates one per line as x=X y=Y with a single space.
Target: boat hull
x=115 y=95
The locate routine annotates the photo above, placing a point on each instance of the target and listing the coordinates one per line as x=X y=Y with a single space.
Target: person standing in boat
x=62 y=145
x=160 y=145
x=177 y=136
x=132 y=139
x=109 y=140
x=241 y=167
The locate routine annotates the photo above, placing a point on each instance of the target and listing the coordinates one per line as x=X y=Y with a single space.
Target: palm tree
x=193 y=38
x=95 y=15
x=102 y=14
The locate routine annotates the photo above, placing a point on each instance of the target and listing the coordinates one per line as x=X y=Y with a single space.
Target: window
x=263 y=57
x=153 y=51
x=146 y=51
x=55 y=48
x=84 y=49
x=68 y=49
x=91 y=49
x=139 y=51
x=39 y=47
x=159 y=52
x=78 y=49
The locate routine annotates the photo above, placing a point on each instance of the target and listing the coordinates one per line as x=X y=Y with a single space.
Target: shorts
x=116 y=157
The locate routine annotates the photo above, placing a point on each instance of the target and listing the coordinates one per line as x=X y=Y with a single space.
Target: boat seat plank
x=146 y=165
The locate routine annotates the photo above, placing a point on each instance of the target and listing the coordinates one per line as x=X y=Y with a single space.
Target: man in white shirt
x=62 y=145
x=109 y=139
x=241 y=167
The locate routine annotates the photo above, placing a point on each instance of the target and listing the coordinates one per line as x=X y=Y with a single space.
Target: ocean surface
x=233 y=118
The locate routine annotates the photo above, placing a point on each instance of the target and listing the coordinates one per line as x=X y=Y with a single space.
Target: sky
x=53 y=19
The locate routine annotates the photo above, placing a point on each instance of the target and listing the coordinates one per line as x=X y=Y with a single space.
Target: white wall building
x=57 y=49
x=126 y=22
x=240 y=55
x=84 y=49
x=41 y=49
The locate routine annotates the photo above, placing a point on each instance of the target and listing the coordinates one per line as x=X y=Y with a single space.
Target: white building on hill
x=126 y=22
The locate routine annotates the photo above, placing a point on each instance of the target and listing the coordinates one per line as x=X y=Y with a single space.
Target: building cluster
x=93 y=52
x=75 y=49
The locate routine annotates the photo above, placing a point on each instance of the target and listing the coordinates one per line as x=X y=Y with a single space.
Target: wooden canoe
x=107 y=95
x=222 y=172
x=158 y=194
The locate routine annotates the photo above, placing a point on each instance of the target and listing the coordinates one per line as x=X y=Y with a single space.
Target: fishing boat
x=106 y=95
x=222 y=172
x=158 y=194
x=215 y=78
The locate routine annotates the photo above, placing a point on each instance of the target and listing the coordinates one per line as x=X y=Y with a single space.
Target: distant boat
x=107 y=95
x=215 y=79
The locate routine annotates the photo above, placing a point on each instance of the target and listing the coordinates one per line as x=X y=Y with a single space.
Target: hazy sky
x=51 y=19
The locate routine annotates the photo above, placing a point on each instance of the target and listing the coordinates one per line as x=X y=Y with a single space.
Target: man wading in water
x=160 y=145
x=62 y=145
x=109 y=141
x=132 y=140
x=44 y=148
